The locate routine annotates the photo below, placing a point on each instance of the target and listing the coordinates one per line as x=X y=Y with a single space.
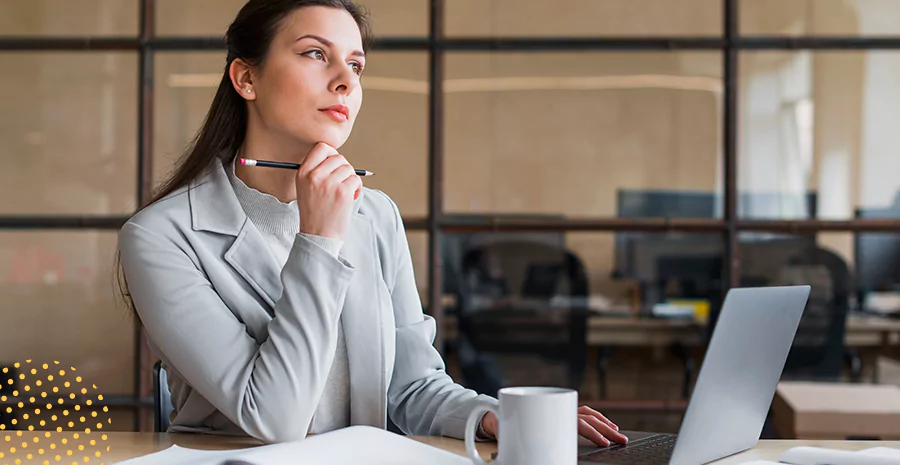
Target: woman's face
x=308 y=88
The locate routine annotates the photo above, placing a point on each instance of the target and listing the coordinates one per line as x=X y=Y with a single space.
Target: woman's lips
x=338 y=116
x=339 y=112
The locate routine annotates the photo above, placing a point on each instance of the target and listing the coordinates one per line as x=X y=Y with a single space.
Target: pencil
x=289 y=166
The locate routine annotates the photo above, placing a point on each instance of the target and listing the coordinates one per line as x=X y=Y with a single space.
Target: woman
x=283 y=302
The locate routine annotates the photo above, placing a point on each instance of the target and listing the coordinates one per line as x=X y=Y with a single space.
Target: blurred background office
x=581 y=180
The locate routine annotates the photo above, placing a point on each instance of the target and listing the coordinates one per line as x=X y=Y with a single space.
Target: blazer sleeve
x=422 y=398
x=269 y=390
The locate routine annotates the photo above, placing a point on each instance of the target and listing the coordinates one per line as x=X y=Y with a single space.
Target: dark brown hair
x=222 y=133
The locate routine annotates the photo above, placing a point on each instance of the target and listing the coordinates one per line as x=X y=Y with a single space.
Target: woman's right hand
x=326 y=188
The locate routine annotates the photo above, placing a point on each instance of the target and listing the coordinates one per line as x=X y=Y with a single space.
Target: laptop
x=734 y=389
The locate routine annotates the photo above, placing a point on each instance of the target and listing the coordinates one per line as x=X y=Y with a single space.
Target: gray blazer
x=248 y=346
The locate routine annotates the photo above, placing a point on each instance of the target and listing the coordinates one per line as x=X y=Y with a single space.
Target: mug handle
x=471 y=426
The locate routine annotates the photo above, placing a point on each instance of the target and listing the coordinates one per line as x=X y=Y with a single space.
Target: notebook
x=353 y=445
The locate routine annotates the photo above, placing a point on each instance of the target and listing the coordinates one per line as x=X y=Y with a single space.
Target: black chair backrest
x=818 y=348
x=8 y=383
x=525 y=298
x=162 y=399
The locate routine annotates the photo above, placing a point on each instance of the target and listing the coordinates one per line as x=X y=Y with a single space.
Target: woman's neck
x=263 y=144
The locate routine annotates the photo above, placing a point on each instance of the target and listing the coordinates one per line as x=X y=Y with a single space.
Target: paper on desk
x=806 y=455
x=879 y=452
x=177 y=455
x=815 y=455
x=886 y=452
x=353 y=445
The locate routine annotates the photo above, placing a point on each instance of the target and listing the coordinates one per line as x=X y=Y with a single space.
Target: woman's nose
x=345 y=82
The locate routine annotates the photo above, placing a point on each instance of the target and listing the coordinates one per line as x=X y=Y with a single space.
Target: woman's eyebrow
x=329 y=43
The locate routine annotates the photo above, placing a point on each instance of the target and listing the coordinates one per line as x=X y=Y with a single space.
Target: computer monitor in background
x=877 y=255
x=649 y=203
x=694 y=260
x=662 y=204
x=656 y=204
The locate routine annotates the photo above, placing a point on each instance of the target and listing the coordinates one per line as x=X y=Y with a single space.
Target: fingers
x=608 y=433
x=490 y=423
x=585 y=410
x=352 y=183
x=325 y=185
x=324 y=171
x=341 y=174
x=315 y=157
x=588 y=431
x=338 y=181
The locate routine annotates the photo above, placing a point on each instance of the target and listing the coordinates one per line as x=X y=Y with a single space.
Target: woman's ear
x=241 y=78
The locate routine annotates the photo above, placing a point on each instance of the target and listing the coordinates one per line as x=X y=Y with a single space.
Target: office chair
x=162 y=399
x=521 y=300
x=818 y=351
x=8 y=384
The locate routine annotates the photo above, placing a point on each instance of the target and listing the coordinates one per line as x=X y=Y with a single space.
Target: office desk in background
x=862 y=331
x=870 y=336
x=125 y=446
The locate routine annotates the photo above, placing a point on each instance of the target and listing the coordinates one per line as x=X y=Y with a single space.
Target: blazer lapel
x=250 y=256
x=215 y=208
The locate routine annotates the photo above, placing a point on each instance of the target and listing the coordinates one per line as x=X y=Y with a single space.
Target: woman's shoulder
x=166 y=216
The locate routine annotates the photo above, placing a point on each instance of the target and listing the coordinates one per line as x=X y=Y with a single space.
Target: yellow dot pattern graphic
x=37 y=381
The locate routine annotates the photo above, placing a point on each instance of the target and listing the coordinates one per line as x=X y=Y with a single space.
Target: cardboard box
x=836 y=411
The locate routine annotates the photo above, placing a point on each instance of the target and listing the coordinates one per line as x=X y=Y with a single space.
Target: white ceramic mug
x=538 y=426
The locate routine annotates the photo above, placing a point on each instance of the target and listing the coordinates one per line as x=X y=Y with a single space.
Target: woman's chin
x=330 y=136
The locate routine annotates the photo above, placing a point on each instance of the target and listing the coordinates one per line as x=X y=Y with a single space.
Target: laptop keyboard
x=653 y=450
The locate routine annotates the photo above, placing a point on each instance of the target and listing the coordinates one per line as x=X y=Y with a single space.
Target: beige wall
x=59 y=304
x=67 y=18
x=69 y=126
x=624 y=124
x=211 y=17
x=583 y=17
x=525 y=132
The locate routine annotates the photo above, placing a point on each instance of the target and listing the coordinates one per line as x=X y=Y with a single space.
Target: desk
x=872 y=331
x=124 y=446
x=862 y=331
x=871 y=335
x=643 y=332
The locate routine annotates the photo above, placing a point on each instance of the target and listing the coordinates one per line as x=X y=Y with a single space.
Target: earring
x=249 y=90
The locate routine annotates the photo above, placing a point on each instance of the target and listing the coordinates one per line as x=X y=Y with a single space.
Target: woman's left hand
x=591 y=425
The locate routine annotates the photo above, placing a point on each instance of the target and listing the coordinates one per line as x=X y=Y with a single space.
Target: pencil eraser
x=243 y=161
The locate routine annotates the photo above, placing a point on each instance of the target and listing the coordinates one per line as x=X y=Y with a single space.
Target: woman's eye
x=316 y=54
x=357 y=68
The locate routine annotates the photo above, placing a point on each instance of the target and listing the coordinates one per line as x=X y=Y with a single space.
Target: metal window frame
x=437 y=222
